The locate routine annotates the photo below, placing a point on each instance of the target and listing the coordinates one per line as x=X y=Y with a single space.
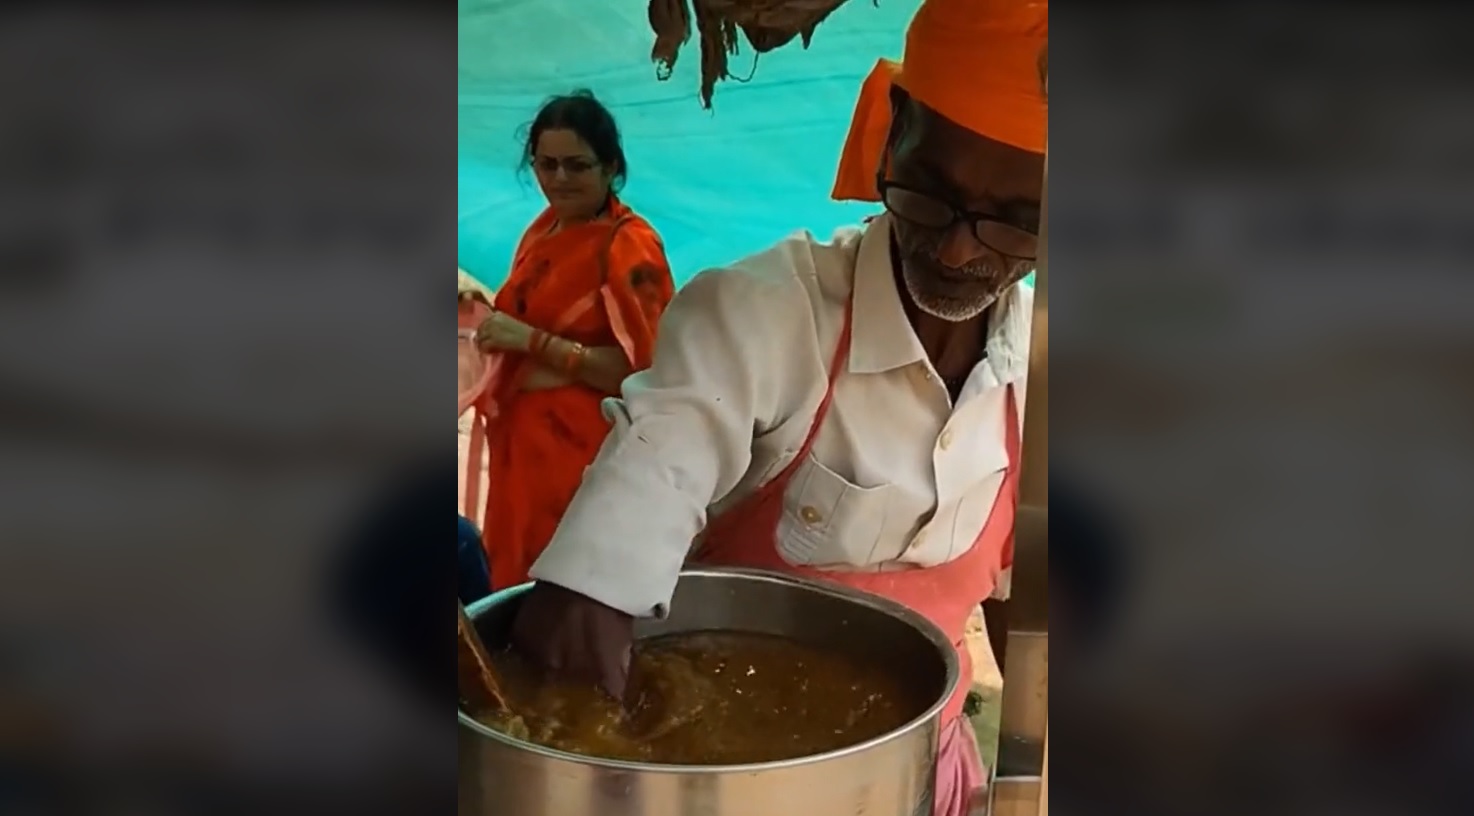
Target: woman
x=576 y=316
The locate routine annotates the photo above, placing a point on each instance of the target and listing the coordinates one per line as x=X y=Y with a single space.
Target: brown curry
x=713 y=698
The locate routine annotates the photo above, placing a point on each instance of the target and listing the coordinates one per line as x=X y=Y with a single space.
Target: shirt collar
x=884 y=339
x=888 y=342
x=1008 y=333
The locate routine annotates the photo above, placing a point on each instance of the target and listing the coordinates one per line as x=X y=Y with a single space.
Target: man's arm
x=727 y=354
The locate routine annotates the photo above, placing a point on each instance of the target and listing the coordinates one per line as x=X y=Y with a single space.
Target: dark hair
x=903 y=114
x=585 y=115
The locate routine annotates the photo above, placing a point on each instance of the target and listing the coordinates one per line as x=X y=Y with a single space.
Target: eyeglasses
x=1006 y=238
x=572 y=165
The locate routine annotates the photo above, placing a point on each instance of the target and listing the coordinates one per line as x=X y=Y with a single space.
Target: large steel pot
x=892 y=775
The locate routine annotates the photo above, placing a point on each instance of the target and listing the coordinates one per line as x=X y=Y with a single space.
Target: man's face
x=955 y=267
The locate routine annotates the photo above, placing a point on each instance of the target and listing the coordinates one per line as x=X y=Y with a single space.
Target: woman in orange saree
x=577 y=314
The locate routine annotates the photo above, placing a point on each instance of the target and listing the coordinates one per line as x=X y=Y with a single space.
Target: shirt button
x=810 y=515
x=945 y=440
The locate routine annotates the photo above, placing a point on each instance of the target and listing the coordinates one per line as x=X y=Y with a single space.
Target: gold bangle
x=574 y=360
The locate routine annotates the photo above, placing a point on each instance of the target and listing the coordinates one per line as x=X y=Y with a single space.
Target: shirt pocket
x=829 y=521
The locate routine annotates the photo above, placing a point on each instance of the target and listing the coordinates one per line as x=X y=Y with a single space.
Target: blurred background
x=220 y=238
x=1260 y=330
x=1261 y=350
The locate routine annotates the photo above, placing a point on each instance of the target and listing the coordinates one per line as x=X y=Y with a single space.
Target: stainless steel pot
x=892 y=775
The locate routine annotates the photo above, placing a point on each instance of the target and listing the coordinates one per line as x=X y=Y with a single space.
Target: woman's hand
x=541 y=378
x=502 y=332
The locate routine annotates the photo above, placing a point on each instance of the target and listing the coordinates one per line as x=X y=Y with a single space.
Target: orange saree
x=604 y=283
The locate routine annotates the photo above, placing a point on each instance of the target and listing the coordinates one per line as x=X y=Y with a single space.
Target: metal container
x=892 y=775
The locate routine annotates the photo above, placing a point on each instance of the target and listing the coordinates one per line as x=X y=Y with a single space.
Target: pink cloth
x=960 y=773
x=476 y=373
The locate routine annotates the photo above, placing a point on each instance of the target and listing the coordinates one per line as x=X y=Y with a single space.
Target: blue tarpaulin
x=717 y=184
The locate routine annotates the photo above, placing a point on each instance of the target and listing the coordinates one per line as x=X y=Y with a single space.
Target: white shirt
x=898 y=475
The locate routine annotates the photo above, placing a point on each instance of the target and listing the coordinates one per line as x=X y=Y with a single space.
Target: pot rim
x=917 y=621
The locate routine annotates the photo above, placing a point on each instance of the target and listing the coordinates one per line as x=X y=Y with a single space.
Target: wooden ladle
x=476 y=678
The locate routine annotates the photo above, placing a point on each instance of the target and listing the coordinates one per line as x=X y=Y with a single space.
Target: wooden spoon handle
x=476 y=677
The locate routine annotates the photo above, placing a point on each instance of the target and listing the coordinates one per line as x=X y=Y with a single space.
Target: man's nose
x=960 y=246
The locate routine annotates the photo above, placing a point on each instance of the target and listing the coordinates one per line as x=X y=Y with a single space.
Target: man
x=847 y=410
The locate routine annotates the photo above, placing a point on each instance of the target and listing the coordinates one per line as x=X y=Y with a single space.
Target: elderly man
x=845 y=409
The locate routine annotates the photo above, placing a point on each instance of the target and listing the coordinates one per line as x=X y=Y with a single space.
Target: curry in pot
x=712 y=698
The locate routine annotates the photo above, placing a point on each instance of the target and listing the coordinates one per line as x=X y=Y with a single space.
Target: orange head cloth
x=975 y=62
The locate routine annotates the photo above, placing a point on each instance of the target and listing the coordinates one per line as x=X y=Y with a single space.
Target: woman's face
x=570 y=175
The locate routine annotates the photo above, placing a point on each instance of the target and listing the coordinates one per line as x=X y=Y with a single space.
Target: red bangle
x=539 y=342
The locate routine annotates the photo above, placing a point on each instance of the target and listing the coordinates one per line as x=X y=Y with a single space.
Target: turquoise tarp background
x=718 y=184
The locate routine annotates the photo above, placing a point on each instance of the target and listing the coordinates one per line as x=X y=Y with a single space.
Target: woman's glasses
x=571 y=165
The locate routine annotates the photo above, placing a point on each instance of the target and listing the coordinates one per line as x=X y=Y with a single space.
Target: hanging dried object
x=766 y=24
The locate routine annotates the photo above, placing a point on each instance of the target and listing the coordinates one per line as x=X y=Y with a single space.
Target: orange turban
x=975 y=62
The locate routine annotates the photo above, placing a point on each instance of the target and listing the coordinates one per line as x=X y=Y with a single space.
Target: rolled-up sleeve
x=681 y=438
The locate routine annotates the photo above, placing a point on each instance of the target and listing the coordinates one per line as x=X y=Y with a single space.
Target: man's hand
x=575 y=636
